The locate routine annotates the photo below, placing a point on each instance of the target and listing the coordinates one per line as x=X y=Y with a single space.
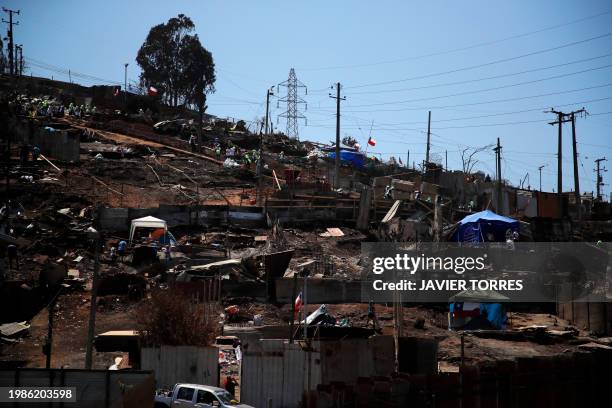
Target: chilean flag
x=298 y=303
x=152 y=91
x=371 y=141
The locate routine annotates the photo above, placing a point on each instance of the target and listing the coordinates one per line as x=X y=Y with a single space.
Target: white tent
x=147 y=222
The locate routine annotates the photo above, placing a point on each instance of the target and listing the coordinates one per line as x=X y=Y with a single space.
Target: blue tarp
x=167 y=238
x=480 y=226
x=494 y=313
x=357 y=159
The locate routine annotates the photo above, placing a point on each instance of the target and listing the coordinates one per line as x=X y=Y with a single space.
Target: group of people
x=48 y=107
x=232 y=152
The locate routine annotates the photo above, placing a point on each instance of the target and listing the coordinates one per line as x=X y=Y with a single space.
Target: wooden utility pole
x=408 y=159
x=599 y=176
x=337 y=162
x=93 y=303
x=497 y=151
x=446 y=160
x=10 y=37
x=48 y=346
x=260 y=159
x=428 y=141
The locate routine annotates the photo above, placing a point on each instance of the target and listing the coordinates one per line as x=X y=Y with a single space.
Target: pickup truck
x=196 y=396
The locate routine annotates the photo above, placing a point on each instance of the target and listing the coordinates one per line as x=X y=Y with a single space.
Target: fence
x=186 y=364
x=568 y=380
x=94 y=388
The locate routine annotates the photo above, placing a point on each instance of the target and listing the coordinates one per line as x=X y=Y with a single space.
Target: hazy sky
x=485 y=69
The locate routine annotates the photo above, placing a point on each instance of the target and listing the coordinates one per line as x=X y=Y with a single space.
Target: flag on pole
x=152 y=91
x=371 y=141
x=298 y=303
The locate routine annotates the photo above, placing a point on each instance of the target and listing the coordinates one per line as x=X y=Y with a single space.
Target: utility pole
x=599 y=176
x=497 y=151
x=19 y=57
x=540 y=170
x=125 y=87
x=408 y=159
x=48 y=346
x=576 y=180
x=428 y=141
x=91 y=328
x=337 y=163
x=10 y=36
x=562 y=118
x=260 y=159
x=446 y=160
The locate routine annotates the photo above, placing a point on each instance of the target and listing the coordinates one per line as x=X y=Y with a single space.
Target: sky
x=485 y=69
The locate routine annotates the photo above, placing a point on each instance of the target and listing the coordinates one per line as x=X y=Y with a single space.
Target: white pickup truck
x=196 y=396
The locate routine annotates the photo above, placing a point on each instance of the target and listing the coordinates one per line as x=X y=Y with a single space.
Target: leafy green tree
x=174 y=61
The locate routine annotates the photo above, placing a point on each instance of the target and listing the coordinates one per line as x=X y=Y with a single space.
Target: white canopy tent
x=147 y=222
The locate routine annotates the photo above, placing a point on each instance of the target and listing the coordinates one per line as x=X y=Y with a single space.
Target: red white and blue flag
x=298 y=303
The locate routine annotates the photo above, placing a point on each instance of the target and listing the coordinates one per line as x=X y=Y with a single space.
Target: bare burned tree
x=171 y=318
x=468 y=157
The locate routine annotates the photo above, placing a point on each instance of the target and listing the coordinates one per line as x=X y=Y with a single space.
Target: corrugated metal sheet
x=275 y=373
x=188 y=364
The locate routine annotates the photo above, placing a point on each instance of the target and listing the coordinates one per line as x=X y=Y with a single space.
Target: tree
x=174 y=61
x=200 y=69
x=468 y=157
x=171 y=318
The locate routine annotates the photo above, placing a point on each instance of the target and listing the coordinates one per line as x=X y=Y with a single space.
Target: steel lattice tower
x=293 y=100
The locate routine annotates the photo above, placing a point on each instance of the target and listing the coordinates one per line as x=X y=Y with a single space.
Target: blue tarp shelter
x=485 y=226
x=477 y=309
x=357 y=159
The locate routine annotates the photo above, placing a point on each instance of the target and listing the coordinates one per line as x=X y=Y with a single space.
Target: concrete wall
x=188 y=364
x=119 y=219
x=94 y=388
x=321 y=290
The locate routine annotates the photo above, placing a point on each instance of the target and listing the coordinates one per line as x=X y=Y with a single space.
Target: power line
x=495 y=62
x=484 y=78
x=469 y=47
x=486 y=89
x=486 y=102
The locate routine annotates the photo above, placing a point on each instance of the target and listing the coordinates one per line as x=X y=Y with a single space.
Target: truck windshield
x=225 y=397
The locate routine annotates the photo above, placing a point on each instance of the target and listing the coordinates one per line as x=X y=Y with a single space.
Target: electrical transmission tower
x=293 y=100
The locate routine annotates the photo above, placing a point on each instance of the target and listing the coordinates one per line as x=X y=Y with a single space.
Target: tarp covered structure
x=485 y=226
x=147 y=222
x=357 y=159
x=477 y=309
